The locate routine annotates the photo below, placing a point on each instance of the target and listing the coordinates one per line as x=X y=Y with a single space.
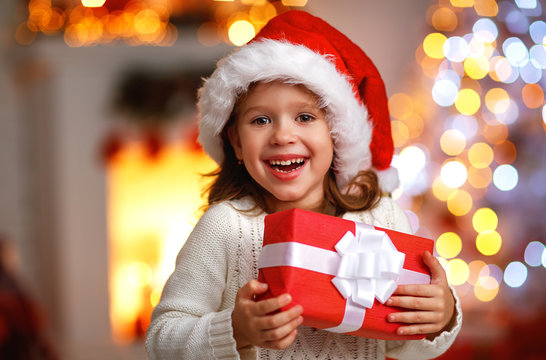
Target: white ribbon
x=365 y=266
x=370 y=266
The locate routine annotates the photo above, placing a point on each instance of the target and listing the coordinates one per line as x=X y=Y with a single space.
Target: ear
x=235 y=141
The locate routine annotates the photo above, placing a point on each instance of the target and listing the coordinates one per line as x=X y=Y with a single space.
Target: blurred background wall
x=97 y=123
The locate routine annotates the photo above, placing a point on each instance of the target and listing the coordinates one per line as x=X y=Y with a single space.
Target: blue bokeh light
x=486 y=29
x=505 y=177
x=531 y=73
x=456 y=49
x=515 y=51
x=538 y=53
x=533 y=253
x=516 y=22
x=537 y=30
x=515 y=274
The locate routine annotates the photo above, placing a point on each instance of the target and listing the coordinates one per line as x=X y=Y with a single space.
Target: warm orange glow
x=400 y=105
x=444 y=19
x=495 y=133
x=153 y=205
x=93 y=3
x=400 y=133
x=532 y=95
x=486 y=7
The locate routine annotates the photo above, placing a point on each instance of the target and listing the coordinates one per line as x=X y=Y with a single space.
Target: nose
x=284 y=132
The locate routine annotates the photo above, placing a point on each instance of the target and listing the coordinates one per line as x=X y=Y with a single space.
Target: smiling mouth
x=286 y=166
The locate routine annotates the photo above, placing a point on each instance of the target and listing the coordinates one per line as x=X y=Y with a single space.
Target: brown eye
x=262 y=120
x=305 y=118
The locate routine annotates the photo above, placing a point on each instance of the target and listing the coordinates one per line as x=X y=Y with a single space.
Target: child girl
x=296 y=118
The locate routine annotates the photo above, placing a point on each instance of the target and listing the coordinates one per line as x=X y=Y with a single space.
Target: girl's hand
x=253 y=324
x=433 y=304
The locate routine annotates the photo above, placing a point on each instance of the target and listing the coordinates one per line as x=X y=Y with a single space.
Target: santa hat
x=299 y=48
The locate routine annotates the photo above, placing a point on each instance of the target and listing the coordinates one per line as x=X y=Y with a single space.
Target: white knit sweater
x=193 y=318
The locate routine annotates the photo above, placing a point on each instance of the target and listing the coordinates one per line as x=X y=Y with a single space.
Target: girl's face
x=282 y=136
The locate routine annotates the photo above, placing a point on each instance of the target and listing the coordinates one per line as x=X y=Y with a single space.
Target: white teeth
x=286 y=162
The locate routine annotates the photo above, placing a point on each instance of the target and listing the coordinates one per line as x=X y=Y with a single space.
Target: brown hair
x=232 y=181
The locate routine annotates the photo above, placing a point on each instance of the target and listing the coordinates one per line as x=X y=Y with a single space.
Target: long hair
x=232 y=181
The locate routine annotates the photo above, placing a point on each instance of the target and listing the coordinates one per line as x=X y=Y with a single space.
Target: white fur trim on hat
x=269 y=60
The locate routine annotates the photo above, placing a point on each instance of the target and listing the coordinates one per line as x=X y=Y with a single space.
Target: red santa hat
x=299 y=48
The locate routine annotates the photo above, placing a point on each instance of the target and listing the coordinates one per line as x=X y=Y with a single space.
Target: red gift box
x=309 y=241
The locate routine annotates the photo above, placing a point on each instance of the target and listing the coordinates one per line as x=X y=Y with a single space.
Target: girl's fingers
x=415 y=290
x=252 y=288
x=415 y=317
x=268 y=306
x=280 y=319
x=278 y=333
x=417 y=329
x=282 y=343
x=412 y=302
x=437 y=272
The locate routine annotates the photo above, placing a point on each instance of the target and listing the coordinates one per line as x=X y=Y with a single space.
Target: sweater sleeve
x=422 y=349
x=188 y=322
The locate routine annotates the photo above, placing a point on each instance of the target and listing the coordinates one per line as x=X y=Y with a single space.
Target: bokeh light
x=453 y=174
x=298 y=3
x=467 y=102
x=505 y=72
x=400 y=105
x=476 y=67
x=537 y=30
x=441 y=190
x=490 y=270
x=400 y=133
x=538 y=53
x=486 y=7
x=517 y=22
x=444 y=19
x=448 y=245
x=479 y=178
x=531 y=72
x=511 y=115
x=515 y=274
x=433 y=45
x=533 y=253
x=532 y=96
x=515 y=51
x=410 y=162
x=497 y=100
x=468 y=125
x=480 y=155
x=495 y=133
x=459 y=202
x=93 y=3
x=452 y=142
x=505 y=152
x=526 y=4
x=445 y=92
x=488 y=242
x=458 y=272
x=485 y=29
x=484 y=219
x=505 y=177
x=489 y=291
x=462 y=3
x=475 y=267
x=456 y=49
x=241 y=32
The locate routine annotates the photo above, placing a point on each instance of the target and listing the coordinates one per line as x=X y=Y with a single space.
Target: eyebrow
x=266 y=108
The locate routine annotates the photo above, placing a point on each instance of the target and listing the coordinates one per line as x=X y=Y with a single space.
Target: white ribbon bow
x=370 y=266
